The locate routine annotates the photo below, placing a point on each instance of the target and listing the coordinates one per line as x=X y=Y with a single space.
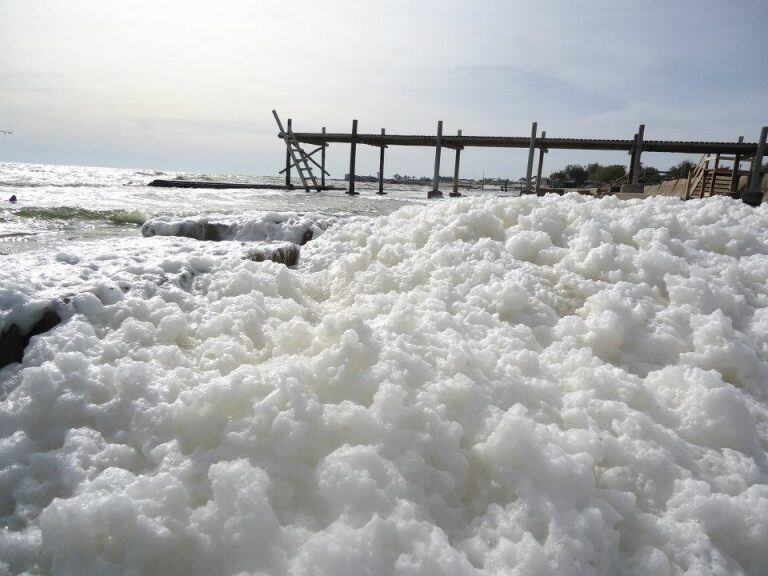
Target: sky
x=190 y=84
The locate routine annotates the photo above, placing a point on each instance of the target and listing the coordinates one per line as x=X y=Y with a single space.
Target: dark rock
x=216 y=232
x=307 y=236
x=14 y=339
x=211 y=231
x=281 y=252
x=12 y=199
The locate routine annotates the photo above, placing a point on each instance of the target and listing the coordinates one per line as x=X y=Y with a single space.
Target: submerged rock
x=199 y=230
x=281 y=252
x=295 y=227
x=15 y=337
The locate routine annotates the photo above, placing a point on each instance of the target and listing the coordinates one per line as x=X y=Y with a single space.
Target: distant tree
x=649 y=175
x=577 y=173
x=680 y=170
x=558 y=176
x=615 y=171
x=571 y=175
x=599 y=173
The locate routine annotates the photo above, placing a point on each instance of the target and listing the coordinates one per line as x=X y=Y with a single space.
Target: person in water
x=12 y=199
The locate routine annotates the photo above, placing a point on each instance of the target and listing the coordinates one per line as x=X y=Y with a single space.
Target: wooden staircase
x=711 y=178
x=299 y=158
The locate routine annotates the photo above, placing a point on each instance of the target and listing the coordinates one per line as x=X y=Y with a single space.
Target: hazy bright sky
x=189 y=84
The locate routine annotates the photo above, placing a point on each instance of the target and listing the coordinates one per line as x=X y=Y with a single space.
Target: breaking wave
x=72 y=213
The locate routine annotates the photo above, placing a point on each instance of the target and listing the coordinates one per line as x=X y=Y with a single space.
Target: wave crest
x=73 y=213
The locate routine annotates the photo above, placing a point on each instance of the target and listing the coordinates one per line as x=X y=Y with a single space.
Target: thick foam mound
x=512 y=386
x=286 y=226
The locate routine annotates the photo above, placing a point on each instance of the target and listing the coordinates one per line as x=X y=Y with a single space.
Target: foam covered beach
x=555 y=385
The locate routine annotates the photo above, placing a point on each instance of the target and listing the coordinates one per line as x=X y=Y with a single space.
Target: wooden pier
x=752 y=152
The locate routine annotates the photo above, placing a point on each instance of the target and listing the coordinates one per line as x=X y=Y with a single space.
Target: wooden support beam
x=542 y=151
x=531 y=153
x=352 y=153
x=753 y=196
x=457 y=159
x=381 y=167
x=435 y=193
x=309 y=157
x=638 y=151
x=288 y=159
x=631 y=171
x=322 y=163
x=735 y=174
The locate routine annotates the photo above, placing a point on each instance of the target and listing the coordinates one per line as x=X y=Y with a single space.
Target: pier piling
x=455 y=193
x=753 y=195
x=435 y=193
x=542 y=151
x=352 y=152
x=322 y=162
x=637 y=153
x=531 y=152
x=381 y=166
x=631 y=171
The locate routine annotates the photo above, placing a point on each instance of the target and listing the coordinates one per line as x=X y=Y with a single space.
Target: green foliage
x=600 y=173
x=680 y=170
x=573 y=173
x=577 y=175
x=649 y=175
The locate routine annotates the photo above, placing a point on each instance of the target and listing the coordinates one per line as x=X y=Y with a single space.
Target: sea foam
x=258 y=226
x=509 y=386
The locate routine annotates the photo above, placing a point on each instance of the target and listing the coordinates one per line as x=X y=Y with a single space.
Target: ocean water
x=59 y=204
x=475 y=386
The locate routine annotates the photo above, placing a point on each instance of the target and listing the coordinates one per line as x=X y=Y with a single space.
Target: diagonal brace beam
x=309 y=157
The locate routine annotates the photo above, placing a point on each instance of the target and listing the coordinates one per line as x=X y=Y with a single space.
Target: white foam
x=269 y=226
x=518 y=386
